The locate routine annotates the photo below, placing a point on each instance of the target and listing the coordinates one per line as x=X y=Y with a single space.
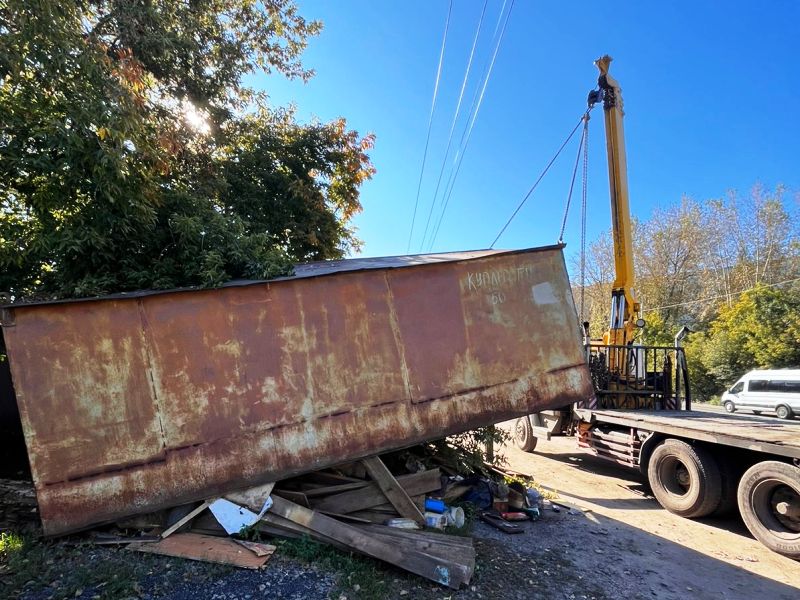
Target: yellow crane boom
x=624 y=307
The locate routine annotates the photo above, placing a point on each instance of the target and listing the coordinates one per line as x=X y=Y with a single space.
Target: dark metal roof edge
x=249 y=282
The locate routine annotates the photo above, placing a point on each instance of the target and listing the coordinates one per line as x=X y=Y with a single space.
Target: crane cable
x=539 y=179
x=465 y=137
x=583 y=214
x=572 y=181
x=430 y=120
x=455 y=118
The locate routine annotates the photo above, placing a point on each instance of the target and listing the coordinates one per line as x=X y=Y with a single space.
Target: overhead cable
x=455 y=117
x=430 y=120
x=467 y=134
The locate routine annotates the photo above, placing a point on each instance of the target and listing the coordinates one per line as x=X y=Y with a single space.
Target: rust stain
x=132 y=405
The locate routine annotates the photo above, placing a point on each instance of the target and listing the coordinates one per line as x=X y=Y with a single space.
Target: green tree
x=760 y=330
x=132 y=155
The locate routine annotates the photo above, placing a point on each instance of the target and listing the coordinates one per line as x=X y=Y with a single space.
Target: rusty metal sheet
x=132 y=404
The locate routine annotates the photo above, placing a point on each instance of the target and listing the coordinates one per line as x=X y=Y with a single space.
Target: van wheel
x=783 y=412
x=769 y=500
x=685 y=479
x=523 y=435
x=729 y=407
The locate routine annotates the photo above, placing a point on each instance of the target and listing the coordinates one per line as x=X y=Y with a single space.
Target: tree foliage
x=727 y=268
x=133 y=155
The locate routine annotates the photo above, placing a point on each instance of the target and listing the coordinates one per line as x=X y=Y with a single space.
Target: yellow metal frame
x=624 y=307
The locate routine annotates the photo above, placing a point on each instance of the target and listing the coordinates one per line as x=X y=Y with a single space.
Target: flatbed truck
x=697 y=463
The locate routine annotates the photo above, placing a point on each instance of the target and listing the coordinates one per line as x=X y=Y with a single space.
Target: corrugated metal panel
x=134 y=404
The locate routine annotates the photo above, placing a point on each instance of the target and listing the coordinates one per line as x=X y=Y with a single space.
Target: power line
x=467 y=134
x=455 y=117
x=536 y=183
x=721 y=295
x=430 y=121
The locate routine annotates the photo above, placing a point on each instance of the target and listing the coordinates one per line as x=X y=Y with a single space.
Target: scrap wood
x=459 y=549
x=570 y=506
x=496 y=521
x=330 y=478
x=352 y=517
x=455 y=492
x=335 y=489
x=296 y=497
x=371 y=495
x=256 y=548
x=191 y=515
x=109 y=539
x=253 y=498
x=396 y=495
x=440 y=570
x=204 y=548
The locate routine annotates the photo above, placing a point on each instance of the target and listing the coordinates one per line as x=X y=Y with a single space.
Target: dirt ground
x=631 y=547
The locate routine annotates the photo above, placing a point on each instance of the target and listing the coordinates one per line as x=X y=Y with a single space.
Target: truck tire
x=729 y=406
x=783 y=412
x=685 y=479
x=766 y=489
x=523 y=435
x=729 y=474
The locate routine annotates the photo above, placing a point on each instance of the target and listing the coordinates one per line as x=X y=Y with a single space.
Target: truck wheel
x=729 y=407
x=729 y=478
x=685 y=479
x=769 y=500
x=783 y=412
x=523 y=435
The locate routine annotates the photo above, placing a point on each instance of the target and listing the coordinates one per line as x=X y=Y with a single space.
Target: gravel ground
x=508 y=566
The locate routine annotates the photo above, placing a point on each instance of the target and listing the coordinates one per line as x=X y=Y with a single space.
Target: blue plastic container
x=435 y=505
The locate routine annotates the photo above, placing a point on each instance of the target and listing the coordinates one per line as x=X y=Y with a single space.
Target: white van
x=776 y=390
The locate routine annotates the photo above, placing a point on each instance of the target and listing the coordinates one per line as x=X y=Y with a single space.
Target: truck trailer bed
x=761 y=434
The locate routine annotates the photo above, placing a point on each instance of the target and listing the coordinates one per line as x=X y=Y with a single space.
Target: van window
x=776 y=386
x=757 y=385
x=737 y=388
x=792 y=387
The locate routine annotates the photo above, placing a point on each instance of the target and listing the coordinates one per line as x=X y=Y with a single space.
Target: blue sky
x=710 y=88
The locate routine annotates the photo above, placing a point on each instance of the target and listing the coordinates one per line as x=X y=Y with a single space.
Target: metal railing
x=639 y=377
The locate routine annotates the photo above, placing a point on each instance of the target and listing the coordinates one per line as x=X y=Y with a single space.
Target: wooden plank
x=392 y=490
x=172 y=529
x=335 y=489
x=371 y=495
x=432 y=536
x=296 y=497
x=353 y=518
x=253 y=498
x=205 y=548
x=256 y=548
x=457 y=549
x=331 y=478
x=440 y=570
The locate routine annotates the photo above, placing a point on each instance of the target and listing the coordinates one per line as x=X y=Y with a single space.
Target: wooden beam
x=440 y=570
x=172 y=529
x=371 y=495
x=392 y=490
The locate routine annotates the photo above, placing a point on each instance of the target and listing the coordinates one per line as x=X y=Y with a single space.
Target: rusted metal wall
x=131 y=404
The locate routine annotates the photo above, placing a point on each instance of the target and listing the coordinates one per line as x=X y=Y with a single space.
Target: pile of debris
x=361 y=507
